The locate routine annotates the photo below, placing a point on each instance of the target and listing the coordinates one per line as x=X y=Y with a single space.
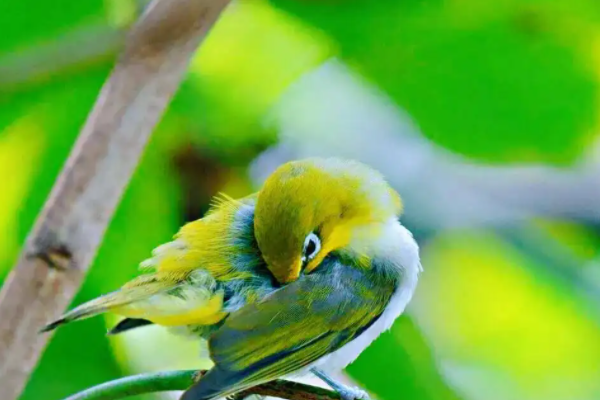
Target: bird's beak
x=289 y=272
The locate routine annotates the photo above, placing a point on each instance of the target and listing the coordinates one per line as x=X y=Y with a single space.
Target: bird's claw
x=353 y=393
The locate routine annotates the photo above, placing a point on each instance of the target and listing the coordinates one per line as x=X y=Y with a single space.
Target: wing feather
x=290 y=329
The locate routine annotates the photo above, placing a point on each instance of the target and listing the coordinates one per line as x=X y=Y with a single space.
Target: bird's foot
x=352 y=393
x=345 y=392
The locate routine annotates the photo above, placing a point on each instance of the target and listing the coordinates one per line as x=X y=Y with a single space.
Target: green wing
x=291 y=329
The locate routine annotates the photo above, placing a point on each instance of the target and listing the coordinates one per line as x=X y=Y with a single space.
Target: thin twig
x=61 y=55
x=181 y=380
x=138 y=384
x=70 y=228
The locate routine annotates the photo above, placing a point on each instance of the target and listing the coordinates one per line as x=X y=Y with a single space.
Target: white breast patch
x=398 y=245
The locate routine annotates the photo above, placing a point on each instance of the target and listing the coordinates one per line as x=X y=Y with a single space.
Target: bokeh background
x=484 y=115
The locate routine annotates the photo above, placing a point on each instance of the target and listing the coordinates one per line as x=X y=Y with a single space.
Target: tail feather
x=108 y=302
x=53 y=325
x=89 y=309
x=128 y=324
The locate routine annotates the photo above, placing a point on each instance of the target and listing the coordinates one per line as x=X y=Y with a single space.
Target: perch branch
x=71 y=225
x=181 y=380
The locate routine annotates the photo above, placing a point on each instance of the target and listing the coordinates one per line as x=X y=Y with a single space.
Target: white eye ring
x=311 y=239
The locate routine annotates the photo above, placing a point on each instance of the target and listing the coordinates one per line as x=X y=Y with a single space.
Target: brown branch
x=70 y=228
x=290 y=390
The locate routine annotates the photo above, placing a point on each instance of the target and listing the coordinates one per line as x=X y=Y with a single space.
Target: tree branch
x=70 y=228
x=181 y=380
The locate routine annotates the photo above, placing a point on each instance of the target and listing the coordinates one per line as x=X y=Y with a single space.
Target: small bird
x=297 y=278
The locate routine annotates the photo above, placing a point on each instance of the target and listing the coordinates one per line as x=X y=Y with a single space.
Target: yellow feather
x=204 y=244
x=207 y=313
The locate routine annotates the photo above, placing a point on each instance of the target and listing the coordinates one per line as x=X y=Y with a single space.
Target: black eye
x=312 y=245
x=310 y=248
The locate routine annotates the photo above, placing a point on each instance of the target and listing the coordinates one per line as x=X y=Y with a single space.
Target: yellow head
x=307 y=209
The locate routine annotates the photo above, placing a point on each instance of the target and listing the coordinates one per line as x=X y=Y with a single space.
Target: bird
x=298 y=278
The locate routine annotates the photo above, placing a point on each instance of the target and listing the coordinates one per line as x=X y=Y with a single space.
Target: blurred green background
x=501 y=312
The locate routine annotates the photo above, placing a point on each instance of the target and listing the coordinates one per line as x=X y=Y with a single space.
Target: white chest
x=397 y=244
